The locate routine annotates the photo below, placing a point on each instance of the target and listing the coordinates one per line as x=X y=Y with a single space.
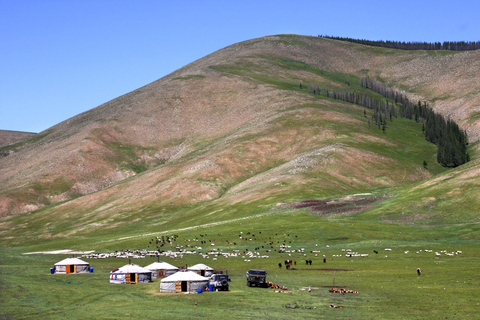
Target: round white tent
x=201 y=269
x=161 y=269
x=130 y=273
x=72 y=265
x=187 y=281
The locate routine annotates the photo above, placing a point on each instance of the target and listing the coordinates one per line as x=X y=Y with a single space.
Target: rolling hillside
x=233 y=162
x=239 y=126
x=8 y=136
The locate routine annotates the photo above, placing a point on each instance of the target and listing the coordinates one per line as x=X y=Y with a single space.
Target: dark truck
x=256 y=277
x=220 y=282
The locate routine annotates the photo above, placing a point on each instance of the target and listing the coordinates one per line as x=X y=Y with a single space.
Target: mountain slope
x=235 y=127
x=8 y=136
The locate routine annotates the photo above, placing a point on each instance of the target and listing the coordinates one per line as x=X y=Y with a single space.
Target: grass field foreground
x=387 y=282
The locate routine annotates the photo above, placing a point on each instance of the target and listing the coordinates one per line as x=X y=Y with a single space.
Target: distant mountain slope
x=237 y=126
x=8 y=136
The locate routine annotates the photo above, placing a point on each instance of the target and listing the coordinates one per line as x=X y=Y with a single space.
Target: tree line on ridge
x=446 y=45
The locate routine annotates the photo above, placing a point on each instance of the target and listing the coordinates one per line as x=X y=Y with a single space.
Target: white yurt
x=187 y=281
x=71 y=265
x=130 y=273
x=201 y=269
x=161 y=269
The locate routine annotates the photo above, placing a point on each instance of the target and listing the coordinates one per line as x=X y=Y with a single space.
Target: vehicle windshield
x=257 y=272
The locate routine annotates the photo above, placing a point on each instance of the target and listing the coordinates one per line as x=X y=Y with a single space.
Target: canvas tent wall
x=130 y=274
x=187 y=281
x=161 y=269
x=201 y=269
x=72 y=265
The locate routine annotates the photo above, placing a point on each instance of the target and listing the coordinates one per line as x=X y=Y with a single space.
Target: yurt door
x=131 y=278
x=184 y=286
x=161 y=273
x=178 y=286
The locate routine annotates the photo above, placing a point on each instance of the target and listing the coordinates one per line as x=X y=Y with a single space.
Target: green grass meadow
x=388 y=285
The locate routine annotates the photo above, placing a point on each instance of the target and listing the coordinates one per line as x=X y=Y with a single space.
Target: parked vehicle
x=220 y=282
x=256 y=277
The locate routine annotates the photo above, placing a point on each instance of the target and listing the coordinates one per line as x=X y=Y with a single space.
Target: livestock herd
x=218 y=245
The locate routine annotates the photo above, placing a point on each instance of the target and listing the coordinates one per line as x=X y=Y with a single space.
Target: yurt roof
x=161 y=266
x=185 y=276
x=199 y=266
x=70 y=261
x=131 y=268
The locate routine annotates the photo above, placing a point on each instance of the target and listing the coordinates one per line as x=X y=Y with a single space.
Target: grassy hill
x=8 y=136
x=232 y=144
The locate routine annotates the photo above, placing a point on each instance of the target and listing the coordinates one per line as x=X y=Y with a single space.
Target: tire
x=249 y=284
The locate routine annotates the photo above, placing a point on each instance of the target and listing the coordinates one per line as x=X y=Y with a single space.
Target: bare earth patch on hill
x=339 y=206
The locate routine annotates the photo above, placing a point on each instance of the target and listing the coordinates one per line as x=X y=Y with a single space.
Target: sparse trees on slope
x=445 y=134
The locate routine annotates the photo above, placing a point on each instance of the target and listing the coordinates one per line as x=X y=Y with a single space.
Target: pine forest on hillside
x=444 y=133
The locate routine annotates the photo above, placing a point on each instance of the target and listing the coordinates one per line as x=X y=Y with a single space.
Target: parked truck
x=256 y=277
x=220 y=282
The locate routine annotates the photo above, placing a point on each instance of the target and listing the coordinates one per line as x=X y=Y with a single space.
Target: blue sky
x=59 y=58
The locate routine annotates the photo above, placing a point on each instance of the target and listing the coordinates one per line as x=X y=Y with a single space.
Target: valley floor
x=382 y=268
